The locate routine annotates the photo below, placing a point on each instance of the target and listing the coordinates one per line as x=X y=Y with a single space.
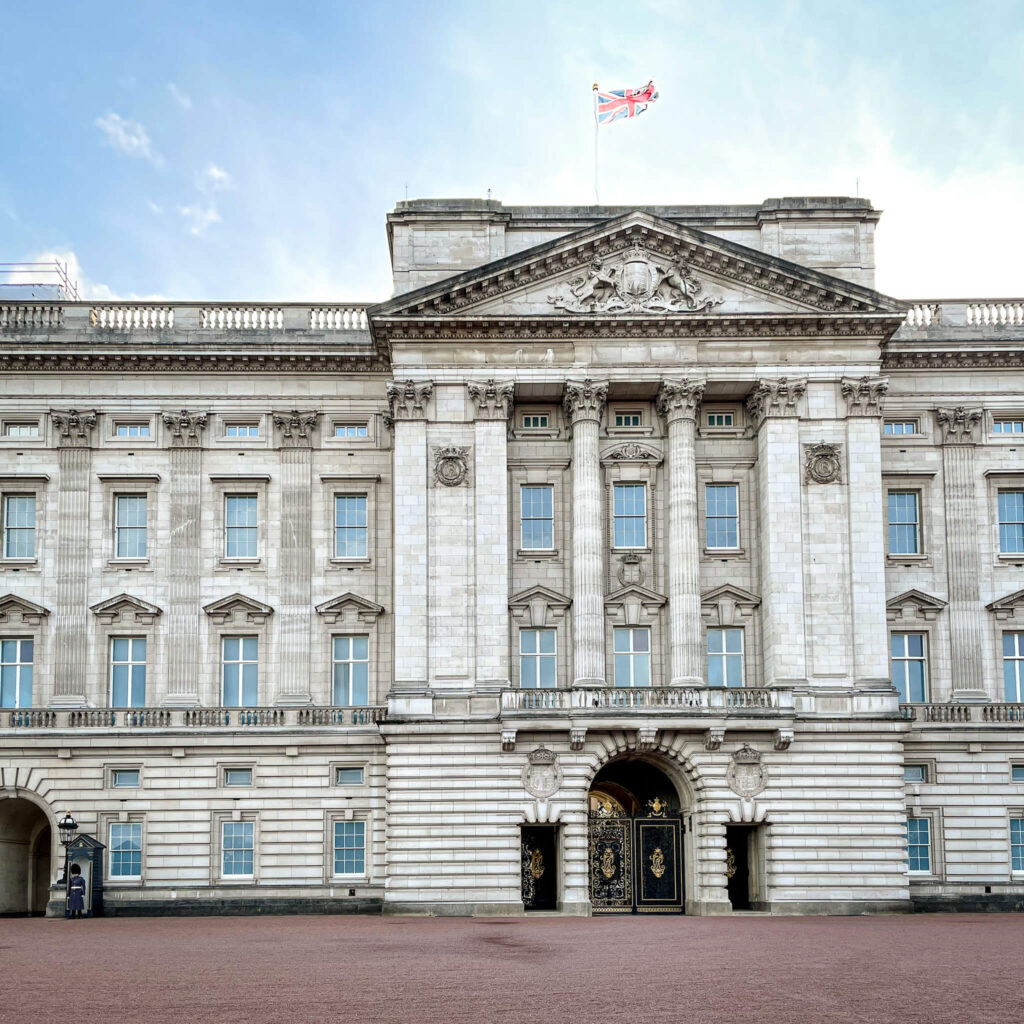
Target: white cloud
x=128 y=137
x=154 y=207
x=214 y=179
x=182 y=99
x=200 y=216
x=87 y=288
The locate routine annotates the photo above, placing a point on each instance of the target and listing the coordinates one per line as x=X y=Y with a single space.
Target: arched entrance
x=26 y=844
x=636 y=840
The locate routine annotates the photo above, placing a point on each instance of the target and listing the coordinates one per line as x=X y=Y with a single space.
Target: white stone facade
x=696 y=398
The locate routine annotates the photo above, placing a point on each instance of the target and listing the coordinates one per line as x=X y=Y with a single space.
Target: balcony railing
x=677 y=699
x=192 y=718
x=965 y=313
x=963 y=712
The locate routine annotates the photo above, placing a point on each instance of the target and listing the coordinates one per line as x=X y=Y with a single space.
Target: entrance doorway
x=25 y=848
x=743 y=866
x=540 y=867
x=636 y=845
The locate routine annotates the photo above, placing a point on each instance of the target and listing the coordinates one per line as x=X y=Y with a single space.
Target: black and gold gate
x=636 y=863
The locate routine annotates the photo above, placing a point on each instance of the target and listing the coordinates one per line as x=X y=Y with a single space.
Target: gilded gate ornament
x=657 y=862
x=730 y=863
x=608 y=863
x=537 y=864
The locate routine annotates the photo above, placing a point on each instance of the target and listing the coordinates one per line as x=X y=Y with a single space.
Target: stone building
x=624 y=560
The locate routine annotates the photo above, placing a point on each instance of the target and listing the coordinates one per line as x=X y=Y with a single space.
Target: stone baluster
x=584 y=403
x=678 y=402
x=74 y=458
x=184 y=557
x=959 y=428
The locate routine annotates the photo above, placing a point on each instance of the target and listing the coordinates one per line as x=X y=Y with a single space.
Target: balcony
x=957 y=713
x=665 y=700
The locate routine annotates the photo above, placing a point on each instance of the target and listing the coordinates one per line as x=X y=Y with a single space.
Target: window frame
x=906 y=659
x=352 y=822
x=929 y=845
x=357 y=485
x=633 y=654
x=335 y=498
x=536 y=657
x=132 y=662
x=117 y=527
x=519 y=430
x=1016 y=659
x=111 y=851
x=117 y=421
x=113 y=770
x=725 y=655
x=350 y=661
x=240 y=662
x=247 y=425
x=1017 y=523
x=19 y=671
x=6 y=496
x=253 y=528
x=359 y=812
x=643 y=487
x=915 y=493
x=354 y=423
x=1015 y=815
x=708 y=547
x=220 y=819
x=225 y=771
x=904 y=421
x=735 y=429
x=523 y=519
x=631 y=412
x=346 y=766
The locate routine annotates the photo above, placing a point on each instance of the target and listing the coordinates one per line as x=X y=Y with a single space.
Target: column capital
x=492 y=399
x=186 y=428
x=296 y=428
x=775 y=398
x=585 y=400
x=679 y=399
x=74 y=428
x=959 y=425
x=864 y=396
x=407 y=399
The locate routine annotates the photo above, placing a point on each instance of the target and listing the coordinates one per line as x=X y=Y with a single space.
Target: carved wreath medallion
x=823 y=463
x=451 y=465
x=746 y=776
x=542 y=777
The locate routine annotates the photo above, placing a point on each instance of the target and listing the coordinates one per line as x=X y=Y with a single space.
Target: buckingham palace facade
x=624 y=561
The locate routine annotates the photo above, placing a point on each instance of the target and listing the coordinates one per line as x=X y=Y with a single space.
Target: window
x=629 y=418
x=904 y=522
x=237 y=842
x=538 y=517
x=127 y=672
x=351 y=670
x=130 y=526
x=20 y=526
x=240 y=525
x=630 y=514
x=632 y=648
x=237 y=776
x=1017 y=844
x=898 y=427
x=909 y=674
x=350 y=526
x=350 y=430
x=131 y=429
x=242 y=430
x=1008 y=427
x=348 y=776
x=240 y=671
x=1017 y=773
x=1011 y=522
x=719 y=419
x=915 y=773
x=125 y=778
x=350 y=847
x=16 y=673
x=21 y=430
x=1013 y=666
x=919 y=854
x=125 y=850
x=535 y=421
x=725 y=657
x=536 y=658
x=721 y=515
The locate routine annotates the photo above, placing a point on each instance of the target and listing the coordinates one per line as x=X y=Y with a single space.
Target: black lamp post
x=67 y=827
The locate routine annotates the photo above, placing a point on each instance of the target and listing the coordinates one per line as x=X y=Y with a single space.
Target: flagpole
x=597 y=198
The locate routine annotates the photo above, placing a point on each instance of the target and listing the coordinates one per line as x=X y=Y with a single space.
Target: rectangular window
x=919 y=852
x=898 y=427
x=1013 y=666
x=1017 y=844
x=20 y=526
x=237 y=776
x=350 y=430
x=630 y=514
x=1017 y=773
x=351 y=671
x=242 y=430
x=125 y=850
x=16 y=673
x=131 y=429
x=904 y=535
x=1008 y=427
x=127 y=672
x=909 y=668
x=632 y=648
x=719 y=419
x=630 y=418
x=125 y=778
x=350 y=526
x=130 y=526
x=237 y=842
x=725 y=657
x=350 y=847
x=348 y=776
x=240 y=671
x=536 y=658
x=537 y=517
x=241 y=525
x=722 y=515
x=535 y=421
x=21 y=430
x=915 y=773
x=1011 y=522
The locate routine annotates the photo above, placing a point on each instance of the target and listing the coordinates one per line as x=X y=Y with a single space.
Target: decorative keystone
x=577 y=737
x=713 y=739
x=646 y=738
x=783 y=738
x=508 y=740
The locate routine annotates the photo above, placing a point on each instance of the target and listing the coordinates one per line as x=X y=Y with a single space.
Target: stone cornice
x=679 y=399
x=492 y=400
x=182 y=361
x=1009 y=358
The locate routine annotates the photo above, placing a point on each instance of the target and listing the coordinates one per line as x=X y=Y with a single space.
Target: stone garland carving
x=186 y=427
x=74 y=428
x=632 y=452
x=746 y=776
x=679 y=399
x=542 y=776
x=635 y=283
x=451 y=465
x=492 y=399
x=296 y=427
x=406 y=399
x=775 y=398
x=958 y=425
x=864 y=396
x=823 y=463
x=585 y=400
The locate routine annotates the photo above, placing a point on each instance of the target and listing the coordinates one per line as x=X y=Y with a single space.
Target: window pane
x=119 y=686
x=249 y=646
x=641 y=640
x=249 y=686
x=734 y=641
x=124 y=778
x=547 y=671
x=125 y=850
x=734 y=671
x=527 y=641
x=913 y=773
x=715 y=672
x=547 y=641
x=360 y=647
x=528 y=672
x=349 y=777
x=230 y=684
x=360 y=684
x=622 y=670
x=237 y=776
x=341 y=647
x=915 y=644
x=621 y=639
x=641 y=670
x=349 y=847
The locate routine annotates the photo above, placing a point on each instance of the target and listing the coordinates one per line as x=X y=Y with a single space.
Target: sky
x=229 y=150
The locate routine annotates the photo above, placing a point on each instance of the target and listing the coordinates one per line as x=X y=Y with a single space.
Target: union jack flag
x=620 y=103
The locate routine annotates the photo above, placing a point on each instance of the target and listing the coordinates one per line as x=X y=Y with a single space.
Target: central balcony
x=672 y=700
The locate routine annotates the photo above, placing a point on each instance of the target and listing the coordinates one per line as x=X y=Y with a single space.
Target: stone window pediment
x=633 y=605
x=238 y=608
x=1008 y=608
x=913 y=604
x=14 y=609
x=631 y=452
x=349 y=607
x=728 y=605
x=538 y=607
x=125 y=608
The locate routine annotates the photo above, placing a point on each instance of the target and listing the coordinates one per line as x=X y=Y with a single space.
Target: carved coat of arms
x=451 y=465
x=542 y=777
x=746 y=776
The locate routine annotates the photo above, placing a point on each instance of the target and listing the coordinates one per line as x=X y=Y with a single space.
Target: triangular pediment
x=730 y=592
x=538 y=606
x=238 y=607
x=634 y=592
x=115 y=609
x=913 y=604
x=1009 y=607
x=637 y=265
x=20 y=608
x=362 y=609
x=727 y=605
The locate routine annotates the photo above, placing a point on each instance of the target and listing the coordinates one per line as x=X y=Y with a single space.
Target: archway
x=26 y=844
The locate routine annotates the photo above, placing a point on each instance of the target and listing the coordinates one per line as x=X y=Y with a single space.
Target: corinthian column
x=678 y=402
x=584 y=402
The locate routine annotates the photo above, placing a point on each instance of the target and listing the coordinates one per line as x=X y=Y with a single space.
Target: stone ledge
x=227 y=907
